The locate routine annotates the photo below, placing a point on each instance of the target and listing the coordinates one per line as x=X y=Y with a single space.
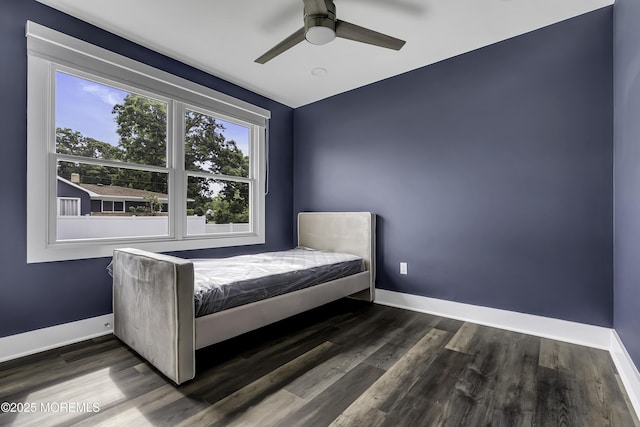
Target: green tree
x=206 y=149
x=73 y=142
x=153 y=203
x=70 y=142
x=230 y=206
x=142 y=127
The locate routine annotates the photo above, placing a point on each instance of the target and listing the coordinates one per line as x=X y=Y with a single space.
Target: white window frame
x=78 y=205
x=50 y=51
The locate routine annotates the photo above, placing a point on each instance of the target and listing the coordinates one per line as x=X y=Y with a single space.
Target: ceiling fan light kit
x=320 y=35
x=321 y=27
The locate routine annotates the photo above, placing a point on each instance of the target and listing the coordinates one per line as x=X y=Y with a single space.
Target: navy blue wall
x=627 y=174
x=491 y=172
x=39 y=295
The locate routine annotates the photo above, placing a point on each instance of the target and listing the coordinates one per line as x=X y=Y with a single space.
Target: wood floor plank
x=384 y=320
x=514 y=402
x=329 y=404
x=474 y=395
x=230 y=408
x=33 y=361
x=21 y=382
x=270 y=411
x=177 y=410
x=449 y=325
x=42 y=363
x=600 y=389
x=417 y=327
x=277 y=334
x=263 y=363
x=101 y=387
x=154 y=400
x=593 y=369
x=462 y=339
x=74 y=354
x=128 y=411
x=319 y=378
x=391 y=324
x=395 y=382
x=370 y=418
x=427 y=402
x=53 y=360
x=555 y=355
x=345 y=364
x=149 y=395
x=558 y=399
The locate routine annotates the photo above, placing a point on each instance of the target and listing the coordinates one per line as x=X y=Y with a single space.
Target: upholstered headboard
x=350 y=232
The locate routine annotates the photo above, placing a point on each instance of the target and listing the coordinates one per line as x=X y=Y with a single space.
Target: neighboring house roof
x=114 y=191
x=100 y=192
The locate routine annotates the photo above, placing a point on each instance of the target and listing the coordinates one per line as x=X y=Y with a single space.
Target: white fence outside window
x=89 y=227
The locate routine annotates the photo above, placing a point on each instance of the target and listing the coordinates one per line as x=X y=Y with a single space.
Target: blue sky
x=85 y=106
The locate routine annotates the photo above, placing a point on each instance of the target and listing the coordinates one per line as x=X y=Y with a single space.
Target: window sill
x=84 y=250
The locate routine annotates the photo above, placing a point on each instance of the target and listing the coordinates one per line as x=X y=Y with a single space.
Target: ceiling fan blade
x=347 y=30
x=316 y=7
x=285 y=44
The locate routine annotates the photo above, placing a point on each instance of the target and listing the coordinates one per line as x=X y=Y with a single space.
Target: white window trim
x=49 y=50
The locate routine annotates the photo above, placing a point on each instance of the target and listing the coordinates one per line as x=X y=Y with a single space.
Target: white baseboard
x=626 y=368
x=32 y=342
x=561 y=330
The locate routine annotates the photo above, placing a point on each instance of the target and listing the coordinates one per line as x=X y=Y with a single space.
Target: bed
x=155 y=296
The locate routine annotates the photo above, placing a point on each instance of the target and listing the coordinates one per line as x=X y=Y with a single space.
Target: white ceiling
x=224 y=38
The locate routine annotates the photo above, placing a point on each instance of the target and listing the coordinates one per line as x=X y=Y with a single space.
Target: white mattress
x=224 y=283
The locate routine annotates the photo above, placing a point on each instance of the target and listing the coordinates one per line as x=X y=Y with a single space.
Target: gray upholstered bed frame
x=153 y=297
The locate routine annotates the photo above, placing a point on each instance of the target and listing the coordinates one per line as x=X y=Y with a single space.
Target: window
x=112 y=206
x=107 y=125
x=152 y=161
x=218 y=184
x=68 y=206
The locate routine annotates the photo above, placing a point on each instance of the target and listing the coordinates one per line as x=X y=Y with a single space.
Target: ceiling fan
x=321 y=27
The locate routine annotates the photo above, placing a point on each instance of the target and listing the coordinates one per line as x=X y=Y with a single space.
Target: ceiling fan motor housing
x=320 y=27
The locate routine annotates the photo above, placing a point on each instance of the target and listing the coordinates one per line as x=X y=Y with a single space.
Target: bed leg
x=365 y=295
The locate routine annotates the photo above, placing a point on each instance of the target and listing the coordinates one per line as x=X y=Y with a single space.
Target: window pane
x=107 y=206
x=98 y=121
x=136 y=205
x=216 y=146
x=217 y=206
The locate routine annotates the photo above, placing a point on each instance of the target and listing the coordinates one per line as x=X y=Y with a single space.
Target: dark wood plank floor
x=345 y=364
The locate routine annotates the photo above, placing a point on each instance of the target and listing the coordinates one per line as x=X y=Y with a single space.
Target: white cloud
x=105 y=94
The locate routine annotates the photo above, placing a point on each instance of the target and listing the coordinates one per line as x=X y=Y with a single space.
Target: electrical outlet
x=403 y=268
